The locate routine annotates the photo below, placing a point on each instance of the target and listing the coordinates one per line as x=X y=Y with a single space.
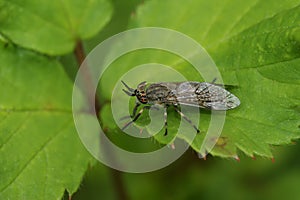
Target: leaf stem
x=80 y=56
x=116 y=175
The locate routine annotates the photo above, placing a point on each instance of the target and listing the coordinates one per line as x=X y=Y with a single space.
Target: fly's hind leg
x=223 y=85
x=187 y=119
x=214 y=81
x=166 y=120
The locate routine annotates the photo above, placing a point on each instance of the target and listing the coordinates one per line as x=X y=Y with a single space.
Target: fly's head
x=140 y=92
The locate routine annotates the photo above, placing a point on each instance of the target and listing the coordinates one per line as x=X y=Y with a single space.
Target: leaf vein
x=263 y=65
x=262 y=123
x=217 y=16
x=56 y=26
x=36 y=154
x=239 y=19
x=16 y=131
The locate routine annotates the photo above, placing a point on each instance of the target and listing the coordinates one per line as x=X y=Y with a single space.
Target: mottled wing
x=203 y=95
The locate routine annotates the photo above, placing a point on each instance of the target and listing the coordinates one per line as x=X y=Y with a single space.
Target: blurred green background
x=192 y=178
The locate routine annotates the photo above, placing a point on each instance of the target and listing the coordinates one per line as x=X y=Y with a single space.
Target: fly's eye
x=140 y=93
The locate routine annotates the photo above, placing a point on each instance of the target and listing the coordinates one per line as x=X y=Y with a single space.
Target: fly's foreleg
x=187 y=119
x=137 y=104
x=136 y=117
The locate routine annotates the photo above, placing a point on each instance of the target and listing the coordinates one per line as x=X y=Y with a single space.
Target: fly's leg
x=214 y=81
x=166 y=119
x=137 y=104
x=136 y=117
x=187 y=119
x=223 y=85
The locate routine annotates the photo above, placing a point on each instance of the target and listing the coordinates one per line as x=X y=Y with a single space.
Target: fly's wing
x=203 y=95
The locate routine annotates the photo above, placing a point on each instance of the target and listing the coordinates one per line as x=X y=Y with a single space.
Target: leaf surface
x=41 y=154
x=52 y=27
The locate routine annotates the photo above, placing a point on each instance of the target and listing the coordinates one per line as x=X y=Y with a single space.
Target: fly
x=197 y=94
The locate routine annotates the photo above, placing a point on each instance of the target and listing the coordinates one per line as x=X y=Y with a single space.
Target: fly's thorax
x=158 y=93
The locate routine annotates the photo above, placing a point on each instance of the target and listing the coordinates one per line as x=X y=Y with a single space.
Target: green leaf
x=40 y=152
x=52 y=27
x=256 y=47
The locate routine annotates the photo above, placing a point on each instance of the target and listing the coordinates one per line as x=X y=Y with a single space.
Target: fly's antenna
x=130 y=92
x=128 y=88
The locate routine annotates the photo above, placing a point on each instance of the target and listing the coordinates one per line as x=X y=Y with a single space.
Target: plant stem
x=80 y=56
x=116 y=175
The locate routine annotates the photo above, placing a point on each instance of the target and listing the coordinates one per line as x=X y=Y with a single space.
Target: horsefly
x=205 y=95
